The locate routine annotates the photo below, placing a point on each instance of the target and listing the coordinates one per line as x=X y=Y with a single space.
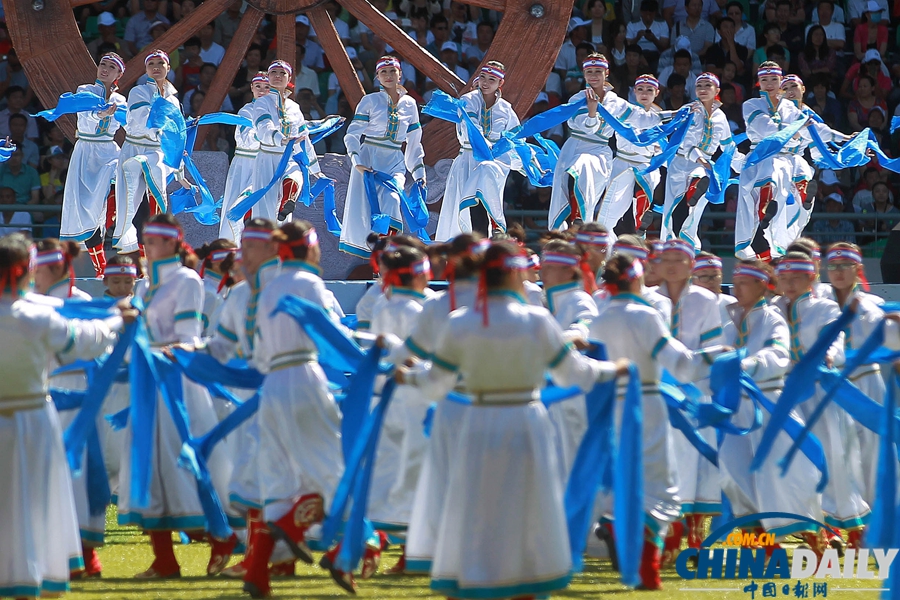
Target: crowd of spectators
x=845 y=50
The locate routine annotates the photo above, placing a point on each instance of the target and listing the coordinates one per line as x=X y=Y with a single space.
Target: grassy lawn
x=127 y=552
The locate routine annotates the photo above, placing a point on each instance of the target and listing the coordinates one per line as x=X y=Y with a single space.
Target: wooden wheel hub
x=56 y=60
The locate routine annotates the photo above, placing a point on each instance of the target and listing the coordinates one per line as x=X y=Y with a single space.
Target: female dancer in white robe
x=805 y=186
x=297 y=460
x=469 y=181
x=463 y=254
x=632 y=329
x=503 y=530
x=707 y=273
x=141 y=168
x=239 y=182
x=277 y=120
x=214 y=271
x=630 y=160
x=568 y=283
x=387 y=119
x=92 y=168
x=761 y=330
x=53 y=279
x=173 y=300
x=586 y=156
x=687 y=178
x=845 y=271
x=764 y=188
x=842 y=500
x=38 y=518
x=696 y=323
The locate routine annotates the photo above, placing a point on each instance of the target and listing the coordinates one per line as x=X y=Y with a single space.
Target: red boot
x=649 y=570
x=254 y=522
x=92 y=566
x=291 y=528
x=344 y=580
x=372 y=557
x=854 y=539
x=259 y=550
x=696 y=188
x=641 y=205
x=98 y=259
x=816 y=542
x=673 y=542
x=283 y=569
x=111 y=208
x=165 y=565
x=220 y=554
x=695 y=530
x=290 y=189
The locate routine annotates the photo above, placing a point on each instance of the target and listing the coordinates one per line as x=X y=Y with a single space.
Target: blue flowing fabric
x=357 y=399
x=538 y=162
x=414 y=210
x=648 y=136
x=895 y=124
x=237 y=212
x=195 y=451
x=336 y=348
x=882 y=526
x=799 y=385
x=142 y=414
x=6 y=151
x=99 y=308
x=628 y=503
x=207 y=212
x=676 y=139
x=720 y=178
x=675 y=404
x=167 y=117
x=724 y=378
x=204 y=369
x=70 y=104
x=172 y=390
x=549 y=119
x=771 y=145
x=445 y=107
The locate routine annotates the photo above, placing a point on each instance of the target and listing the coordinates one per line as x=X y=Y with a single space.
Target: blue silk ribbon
x=676 y=139
x=549 y=119
x=771 y=145
x=414 y=210
x=70 y=104
x=882 y=530
x=444 y=106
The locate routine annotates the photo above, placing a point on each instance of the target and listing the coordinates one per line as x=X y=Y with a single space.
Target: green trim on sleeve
x=446 y=365
x=657 y=348
x=188 y=315
x=560 y=356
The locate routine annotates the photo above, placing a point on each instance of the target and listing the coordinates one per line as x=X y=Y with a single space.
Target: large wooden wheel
x=56 y=60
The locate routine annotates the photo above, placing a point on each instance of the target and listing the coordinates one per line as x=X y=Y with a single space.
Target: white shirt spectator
x=137 y=29
x=658 y=28
x=710 y=7
x=459 y=70
x=689 y=85
x=857 y=7
x=213 y=55
x=567 y=59
x=342 y=28
x=745 y=36
x=833 y=31
x=23 y=219
x=837 y=16
x=698 y=36
x=554 y=84
x=313 y=57
x=31 y=130
x=309 y=79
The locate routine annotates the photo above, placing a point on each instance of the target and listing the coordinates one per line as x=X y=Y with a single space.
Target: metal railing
x=37 y=228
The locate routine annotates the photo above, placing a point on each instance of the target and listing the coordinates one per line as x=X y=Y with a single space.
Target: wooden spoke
x=287 y=39
x=229 y=67
x=174 y=37
x=408 y=48
x=337 y=55
x=498 y=5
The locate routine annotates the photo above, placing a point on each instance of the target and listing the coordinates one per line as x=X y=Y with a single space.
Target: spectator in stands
x=575 y=77
x=617 y=50
x=676 y=95
x=210 y=51
x=462 y=29
x=227 y=23
x=13 y=75
x=15 y=105
x=418 y=21
x=727 y=50
x=681 y=66
x=304 y=77
x=137 y=30
x=18 y=124
x=771 y=38
x=745 y=34
x=193 y=102
x=862 y=104
x=877 y=122
x=858 y=8
x=817 y=57
x=13 y=217
x=863 y=195
x=874 y=68
x=21 y=178
x=791 y=32
x=823 y=102
x=695 y=27
x=334 y=87
x=314 y=55
x=450 y=57
x=882 y=208
x=566 y=60
x=796 y=11
x=623 y=77
x=207 y=73
x=474 y=53
x=779 y=54
x=107 y=27
x=675 y=11
x=835 y=228
x=600 y=31
x=240 y=92
x=5 y=41
x=729 y=72
x=834 y=31
x=440 y=30
x=649 y=32
x=55 y=165
x=871 y=33
x=343 y=29
x=731 y=106
x=187 y=75
x=50 y=221
x=430 y=7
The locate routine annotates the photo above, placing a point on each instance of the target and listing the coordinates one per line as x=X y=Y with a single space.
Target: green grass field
x=128 y=552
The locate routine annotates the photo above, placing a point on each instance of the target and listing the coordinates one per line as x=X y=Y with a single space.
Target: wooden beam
x=407 y=47
x=498 y=5
x=174 y=37
x=53 y=54
x=228 y=68
x=287 y=39
x=337 y=55
x=77 y=3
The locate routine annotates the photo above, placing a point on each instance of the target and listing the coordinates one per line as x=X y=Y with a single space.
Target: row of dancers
x=589 y=182
x=478 y=503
